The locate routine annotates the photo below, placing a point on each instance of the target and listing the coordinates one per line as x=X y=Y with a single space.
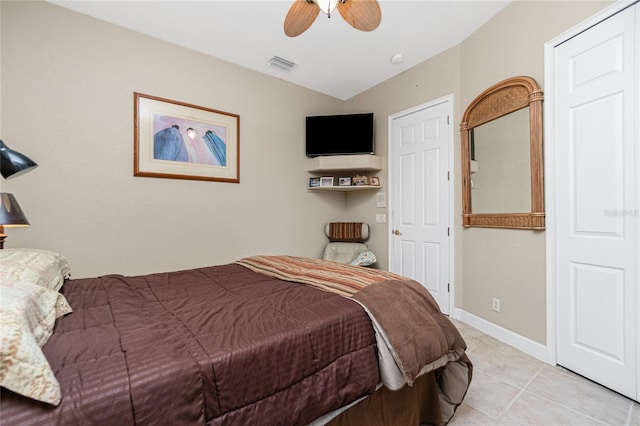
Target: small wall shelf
x=343 y=163
x=344 y=188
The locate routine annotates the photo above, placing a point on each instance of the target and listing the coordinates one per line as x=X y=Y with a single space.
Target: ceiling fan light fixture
x=327 y=6
x=363 y=15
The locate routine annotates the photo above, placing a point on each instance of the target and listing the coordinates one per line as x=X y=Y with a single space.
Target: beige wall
x=428 y=81
x=508 y=264
x=67 y=102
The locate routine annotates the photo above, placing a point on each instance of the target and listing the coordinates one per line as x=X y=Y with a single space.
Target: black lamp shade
x=10 y=212
x=13 y=163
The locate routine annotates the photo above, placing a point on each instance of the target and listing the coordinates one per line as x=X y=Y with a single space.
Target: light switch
x=381 y=217
x=381 y=200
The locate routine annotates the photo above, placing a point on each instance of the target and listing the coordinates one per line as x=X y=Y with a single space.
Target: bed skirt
x=410 y=406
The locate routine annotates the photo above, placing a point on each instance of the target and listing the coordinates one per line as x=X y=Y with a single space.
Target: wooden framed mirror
x=502 y=163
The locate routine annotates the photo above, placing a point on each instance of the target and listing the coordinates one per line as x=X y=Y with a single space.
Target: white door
x=597 y=198
x=419 y=161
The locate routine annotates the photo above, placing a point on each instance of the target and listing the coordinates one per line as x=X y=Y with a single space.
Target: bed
x=273 y=340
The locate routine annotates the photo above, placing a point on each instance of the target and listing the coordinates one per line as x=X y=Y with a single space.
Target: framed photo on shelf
x=344 y=181
x=374 y=181
x=360 y=180
x=314 y=182
x=326 y=181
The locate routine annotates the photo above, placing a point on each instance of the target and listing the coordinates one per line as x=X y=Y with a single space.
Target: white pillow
x=27 y=316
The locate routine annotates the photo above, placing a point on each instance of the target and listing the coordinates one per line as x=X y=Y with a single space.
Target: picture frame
x=314 y=182
x=326 y=181
x=360 y=180
x=374 y=181
x=177 y=140
x=344 y=181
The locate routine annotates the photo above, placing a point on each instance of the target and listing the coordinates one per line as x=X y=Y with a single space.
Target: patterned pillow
x=27 y=315
x=365 y=258
x=40 y=267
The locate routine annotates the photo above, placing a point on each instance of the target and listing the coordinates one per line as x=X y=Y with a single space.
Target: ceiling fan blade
x=363 y=15
x=300 y=17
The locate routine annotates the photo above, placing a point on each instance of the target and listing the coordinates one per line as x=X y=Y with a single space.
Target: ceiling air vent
x=281 y=64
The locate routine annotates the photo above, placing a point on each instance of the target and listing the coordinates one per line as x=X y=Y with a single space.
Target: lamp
x=13 y=163
x=11 y=215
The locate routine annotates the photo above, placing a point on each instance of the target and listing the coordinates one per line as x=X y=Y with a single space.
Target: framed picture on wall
x=177 y=140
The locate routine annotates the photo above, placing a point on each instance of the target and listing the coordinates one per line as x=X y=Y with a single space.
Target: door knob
x=397 y=232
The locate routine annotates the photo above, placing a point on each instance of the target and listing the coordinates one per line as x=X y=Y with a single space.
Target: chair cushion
x=343 y=252
x=353 y=232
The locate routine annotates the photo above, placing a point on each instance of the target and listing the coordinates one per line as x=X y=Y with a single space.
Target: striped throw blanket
x=339 y=278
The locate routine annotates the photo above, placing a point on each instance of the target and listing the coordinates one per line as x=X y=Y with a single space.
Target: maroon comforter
x=158 y=349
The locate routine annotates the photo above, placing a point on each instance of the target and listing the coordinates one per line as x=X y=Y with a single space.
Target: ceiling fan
x=363 y=15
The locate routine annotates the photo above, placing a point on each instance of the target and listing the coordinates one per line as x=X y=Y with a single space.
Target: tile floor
x=512 y=388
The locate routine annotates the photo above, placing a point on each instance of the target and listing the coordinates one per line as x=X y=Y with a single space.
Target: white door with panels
x=420 y=197
x=597 y=174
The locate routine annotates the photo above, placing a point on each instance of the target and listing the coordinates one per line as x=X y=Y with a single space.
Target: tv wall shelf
x=343 y=163
x=344 y=188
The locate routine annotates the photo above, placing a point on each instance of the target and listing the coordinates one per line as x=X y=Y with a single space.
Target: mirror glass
x=500 y=159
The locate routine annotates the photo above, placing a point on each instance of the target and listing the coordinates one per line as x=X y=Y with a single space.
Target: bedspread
x=219 y=345
x=413 y=335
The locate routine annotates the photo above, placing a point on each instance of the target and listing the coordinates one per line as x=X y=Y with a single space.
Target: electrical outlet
x=495 y=304
x=381 y=218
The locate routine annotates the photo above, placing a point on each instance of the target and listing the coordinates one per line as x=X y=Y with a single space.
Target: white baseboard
x=524 y=344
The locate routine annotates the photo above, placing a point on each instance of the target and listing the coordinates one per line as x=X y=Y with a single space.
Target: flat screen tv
x=343 y=134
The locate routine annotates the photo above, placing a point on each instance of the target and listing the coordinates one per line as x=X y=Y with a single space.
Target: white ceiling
x=331 y=57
